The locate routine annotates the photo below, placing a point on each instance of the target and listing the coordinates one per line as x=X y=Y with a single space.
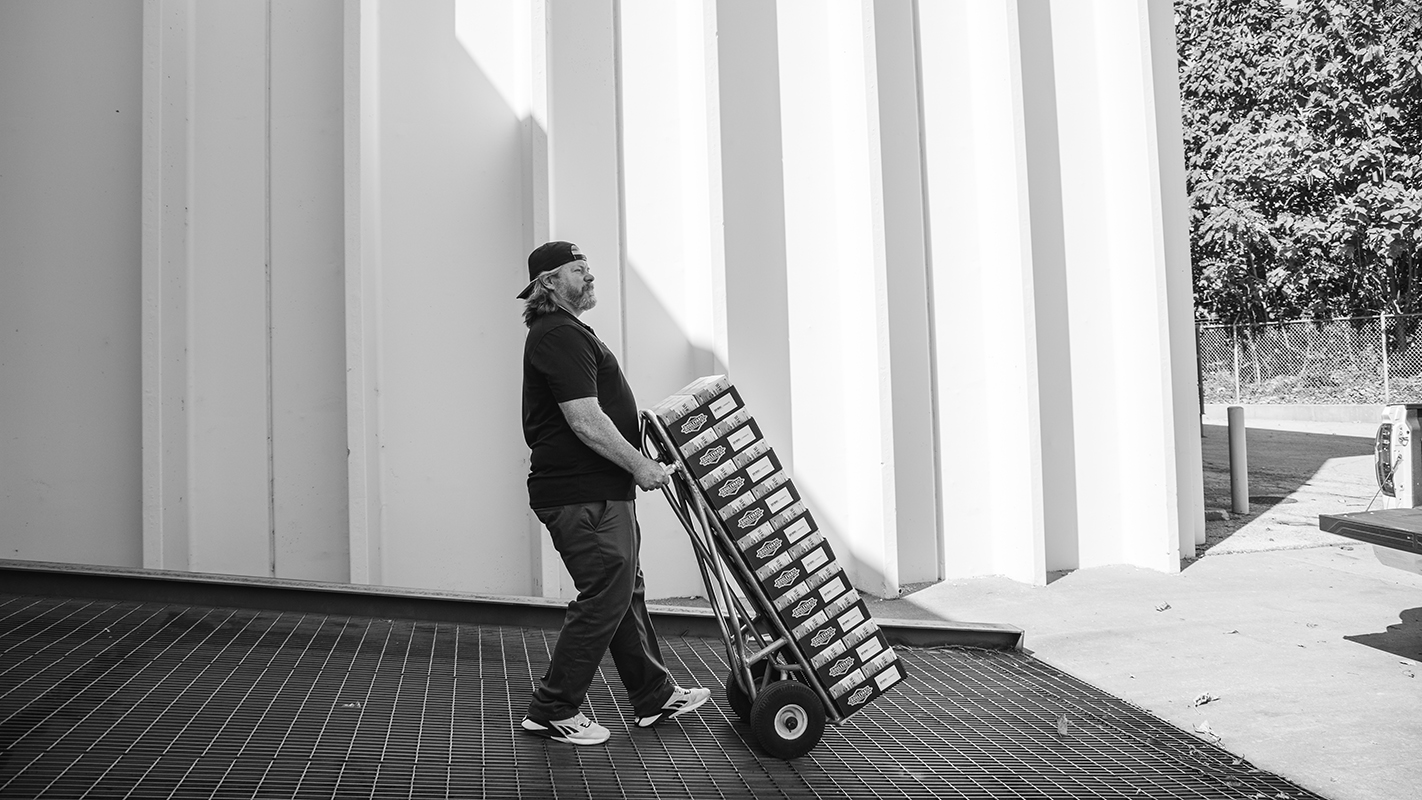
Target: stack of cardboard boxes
x=756 y=504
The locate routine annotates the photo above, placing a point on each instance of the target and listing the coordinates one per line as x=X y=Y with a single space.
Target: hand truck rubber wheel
x=736 y=697
x=788 y=719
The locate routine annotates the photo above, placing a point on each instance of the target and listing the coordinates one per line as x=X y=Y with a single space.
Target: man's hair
x=540 y=301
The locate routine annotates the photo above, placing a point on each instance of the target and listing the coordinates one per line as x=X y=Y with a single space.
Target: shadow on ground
x=1403 y=640
x=1293 y=477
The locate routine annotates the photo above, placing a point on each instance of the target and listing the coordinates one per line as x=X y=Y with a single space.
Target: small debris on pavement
x=1203 y=698
x=1203 y=728
x=1062 y=725
x=1162 y=607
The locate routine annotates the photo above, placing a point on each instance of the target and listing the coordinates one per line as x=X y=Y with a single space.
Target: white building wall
x=951 y=280
x=452 y=257
x=70 y=110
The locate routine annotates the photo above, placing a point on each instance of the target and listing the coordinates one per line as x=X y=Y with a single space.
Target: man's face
x=573 y=285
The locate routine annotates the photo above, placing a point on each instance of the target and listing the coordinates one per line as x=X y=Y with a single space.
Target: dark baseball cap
x=547 y=257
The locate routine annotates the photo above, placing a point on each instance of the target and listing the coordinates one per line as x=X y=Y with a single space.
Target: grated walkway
x=108 y=699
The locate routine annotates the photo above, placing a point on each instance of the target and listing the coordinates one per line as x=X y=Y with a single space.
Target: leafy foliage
x=1303 y=147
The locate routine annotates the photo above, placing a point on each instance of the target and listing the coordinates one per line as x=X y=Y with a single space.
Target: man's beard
x=584 y=300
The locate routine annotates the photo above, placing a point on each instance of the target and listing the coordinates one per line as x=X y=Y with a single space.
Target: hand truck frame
x=772 y=686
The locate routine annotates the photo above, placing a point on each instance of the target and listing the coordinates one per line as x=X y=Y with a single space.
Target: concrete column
x=1051 y=328
x=361 y=197
x=307 y=308
x=751 y=296
x=584 y=194
x=989 y=391
x=573 y=180
x=167 y=72
x=206 y=290
x=1123 y=357
x=244 y=463
x=666 y=178
x=899 y=156
x=857 y=298
x=1168 y=141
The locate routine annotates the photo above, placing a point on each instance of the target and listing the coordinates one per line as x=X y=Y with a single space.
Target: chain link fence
x=1352 y=360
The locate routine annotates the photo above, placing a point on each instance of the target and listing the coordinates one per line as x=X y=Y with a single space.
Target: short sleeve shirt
x=564 y=360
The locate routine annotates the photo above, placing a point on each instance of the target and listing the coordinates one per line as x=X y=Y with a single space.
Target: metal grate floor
x=104 y=699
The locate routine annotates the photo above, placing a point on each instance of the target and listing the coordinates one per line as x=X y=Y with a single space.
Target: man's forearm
x=595 y=429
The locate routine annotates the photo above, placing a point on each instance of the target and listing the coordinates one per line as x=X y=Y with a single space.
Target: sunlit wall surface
x=257 y=267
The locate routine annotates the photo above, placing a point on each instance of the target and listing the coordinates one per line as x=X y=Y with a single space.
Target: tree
x=1303 y=148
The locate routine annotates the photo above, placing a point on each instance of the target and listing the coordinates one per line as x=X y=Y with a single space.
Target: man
x=580 y=421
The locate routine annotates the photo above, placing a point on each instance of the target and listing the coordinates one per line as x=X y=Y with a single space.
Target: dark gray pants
x=600 y=545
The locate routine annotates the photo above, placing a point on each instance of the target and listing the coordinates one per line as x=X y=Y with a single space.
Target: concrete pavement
x=1295 y=649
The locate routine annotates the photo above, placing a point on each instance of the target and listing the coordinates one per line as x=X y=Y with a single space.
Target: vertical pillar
x=857 y=285
x=1051 y=324
x=1168 y=139
x=1124 y=362
x=308 y=372
x=166 y=73
x=901 y=207
x=206 y=291
x=750 y=285
x=361 y=156
x=573 y=176
x=666 y=179
x=984 y=320
x=584 y=195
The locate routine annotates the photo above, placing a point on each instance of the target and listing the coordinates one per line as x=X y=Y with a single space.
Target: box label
x=760 y=469
x=798 y=529
x=693 y=424
x=804 y=608
x=778 y=500
x=711 y=456
x=741 y=438
x=731 y=487
x=850 y=618
x=724 y=406
x=824 y=636
x=887 y=678
x=768 y=549
x=870 y=648
x=815 y=560
x=832 y=589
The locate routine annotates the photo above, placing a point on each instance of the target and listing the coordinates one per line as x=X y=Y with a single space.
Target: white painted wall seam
x=267 y=306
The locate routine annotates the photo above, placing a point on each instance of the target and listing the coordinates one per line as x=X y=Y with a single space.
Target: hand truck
x=771 y=686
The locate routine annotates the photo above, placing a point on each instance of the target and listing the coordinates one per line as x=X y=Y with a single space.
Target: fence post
x=1234 y=337
x=1382 y=321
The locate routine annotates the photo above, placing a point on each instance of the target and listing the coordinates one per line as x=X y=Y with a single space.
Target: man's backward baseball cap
x=547 y=257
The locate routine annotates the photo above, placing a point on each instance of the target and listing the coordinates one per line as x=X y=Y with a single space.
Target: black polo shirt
x=564 y=360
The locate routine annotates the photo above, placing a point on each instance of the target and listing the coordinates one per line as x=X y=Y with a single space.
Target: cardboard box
x=768 y=498
x=679 y=403
x=698 y=407
x=736 y=478
x=856 y=650
x=811 y=598
x=841 y=616
x=789 y=526
x=861 y=686
x=789 y=571
x=726 y=439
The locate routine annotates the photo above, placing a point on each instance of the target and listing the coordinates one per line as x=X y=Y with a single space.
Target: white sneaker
x=576 y=729
x=681 y=701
